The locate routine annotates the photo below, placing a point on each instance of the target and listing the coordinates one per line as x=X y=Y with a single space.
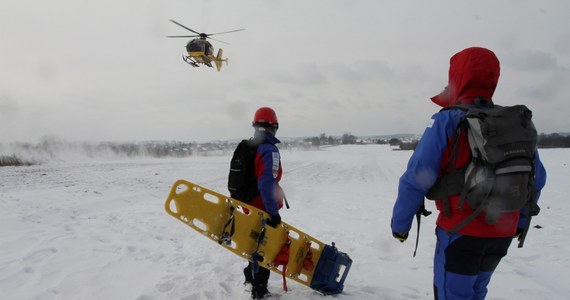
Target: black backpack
x=500 y=176
x=242 y=182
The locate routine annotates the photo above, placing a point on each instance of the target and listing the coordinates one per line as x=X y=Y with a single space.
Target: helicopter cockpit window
x=196 y=46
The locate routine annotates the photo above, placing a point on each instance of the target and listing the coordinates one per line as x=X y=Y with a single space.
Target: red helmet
x=265 y=117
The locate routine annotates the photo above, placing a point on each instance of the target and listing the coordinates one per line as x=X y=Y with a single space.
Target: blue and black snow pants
x=463 y=265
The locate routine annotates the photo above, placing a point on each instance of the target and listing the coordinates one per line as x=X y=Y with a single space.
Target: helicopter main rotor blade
x=218 y=41
x=226 y=31
x=181 y=36
x=183 y=26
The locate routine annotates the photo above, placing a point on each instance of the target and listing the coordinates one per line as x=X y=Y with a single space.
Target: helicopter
x=199 y=50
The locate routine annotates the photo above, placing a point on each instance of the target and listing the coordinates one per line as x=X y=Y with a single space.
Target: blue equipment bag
x=331 y=271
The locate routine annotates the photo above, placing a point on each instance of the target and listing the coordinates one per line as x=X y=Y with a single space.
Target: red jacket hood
x=473 y=73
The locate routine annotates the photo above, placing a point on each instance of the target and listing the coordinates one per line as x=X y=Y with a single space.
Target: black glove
x=518 y=234
x=401 y=236
x=273 y=220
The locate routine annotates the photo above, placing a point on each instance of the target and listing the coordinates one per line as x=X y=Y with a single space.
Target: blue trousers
x=463 y=265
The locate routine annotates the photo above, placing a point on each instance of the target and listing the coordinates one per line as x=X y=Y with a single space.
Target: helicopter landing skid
x=190 y=61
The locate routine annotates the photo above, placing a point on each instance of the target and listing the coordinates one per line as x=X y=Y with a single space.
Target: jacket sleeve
x=423 y=168
x=539 y=183
x=267 y=172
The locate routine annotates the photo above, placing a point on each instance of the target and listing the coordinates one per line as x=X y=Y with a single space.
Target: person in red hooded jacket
x=464 y=261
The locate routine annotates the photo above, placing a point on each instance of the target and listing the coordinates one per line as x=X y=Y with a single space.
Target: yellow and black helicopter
x=199 y=50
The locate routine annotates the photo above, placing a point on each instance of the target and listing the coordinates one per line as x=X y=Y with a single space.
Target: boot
x=259 y=284
x=259 y=291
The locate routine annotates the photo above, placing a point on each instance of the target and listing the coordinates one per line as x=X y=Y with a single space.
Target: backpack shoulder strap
x=248 y=146
x=457 y=106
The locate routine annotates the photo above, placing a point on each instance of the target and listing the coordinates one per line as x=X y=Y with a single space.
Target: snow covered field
x=97 y=229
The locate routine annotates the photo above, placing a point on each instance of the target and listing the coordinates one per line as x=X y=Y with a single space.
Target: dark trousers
x=257 y=279
x=463 y=265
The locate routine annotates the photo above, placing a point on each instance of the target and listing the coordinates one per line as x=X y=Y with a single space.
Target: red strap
x=282 y=258
x=308 y=262
x=284 y=277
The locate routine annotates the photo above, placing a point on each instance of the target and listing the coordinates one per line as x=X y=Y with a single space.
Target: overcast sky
x=104 y=71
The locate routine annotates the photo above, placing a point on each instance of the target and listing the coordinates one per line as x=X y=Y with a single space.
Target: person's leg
x=456 y=265
x=248 y=273
x=259 y=285
x=441 y=285
x=480 y=286
x=495 y=249
x=459 y=287
x=439 y=264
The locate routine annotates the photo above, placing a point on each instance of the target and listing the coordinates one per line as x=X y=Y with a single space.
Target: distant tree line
x=13 y=160
x=53 y=147
x=49 y=148
x=20 y=154
x=345 y=139
x=553 y=140
x=323 y=140
x=152 y=149
x=403 y=145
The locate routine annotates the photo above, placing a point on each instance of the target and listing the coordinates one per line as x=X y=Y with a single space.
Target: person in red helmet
x=262 y=188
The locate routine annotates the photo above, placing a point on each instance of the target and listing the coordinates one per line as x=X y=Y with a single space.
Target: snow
x=97 y=229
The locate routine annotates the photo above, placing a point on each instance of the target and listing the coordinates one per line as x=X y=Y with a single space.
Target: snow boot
x=259 y=291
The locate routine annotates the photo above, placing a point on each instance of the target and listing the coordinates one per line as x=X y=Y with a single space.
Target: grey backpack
x=500 y=176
